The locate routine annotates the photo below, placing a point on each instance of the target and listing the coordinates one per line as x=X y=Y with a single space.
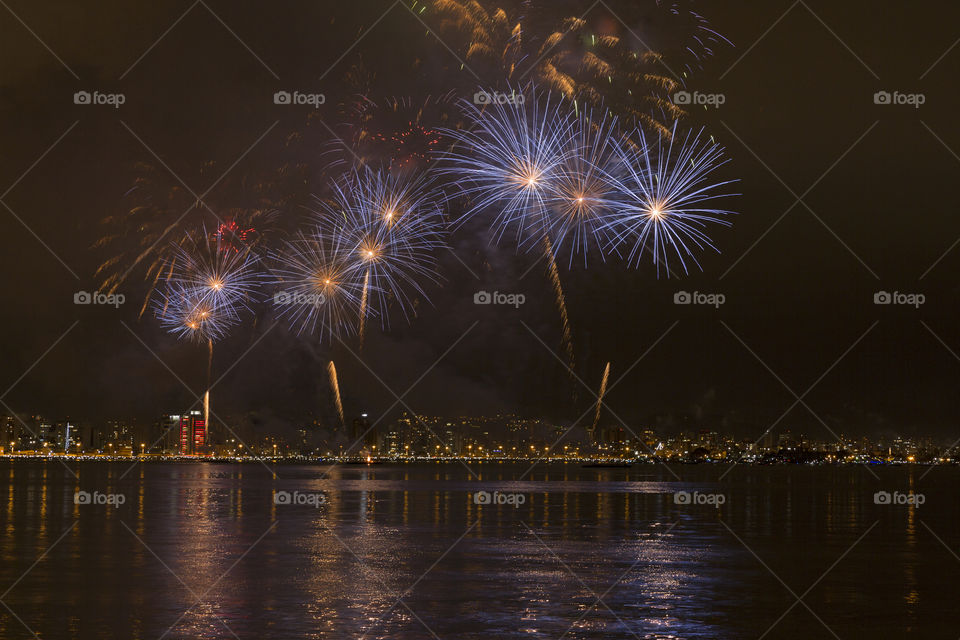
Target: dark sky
x=799 y=114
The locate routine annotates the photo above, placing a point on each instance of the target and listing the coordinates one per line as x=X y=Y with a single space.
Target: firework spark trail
x=688 y=27
x=206 y=414
x=206 y=396
x=603 y=391
x=567 y=334
x=335 y=386
x=363 y=308
x=152 y=288
x=209 y=361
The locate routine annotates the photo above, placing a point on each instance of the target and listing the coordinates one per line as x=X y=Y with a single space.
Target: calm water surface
x=200 y=550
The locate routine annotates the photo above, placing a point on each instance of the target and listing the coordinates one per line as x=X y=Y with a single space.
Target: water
x=403 y=551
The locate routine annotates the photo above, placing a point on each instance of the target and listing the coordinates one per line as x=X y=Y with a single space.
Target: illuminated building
x=192 y=436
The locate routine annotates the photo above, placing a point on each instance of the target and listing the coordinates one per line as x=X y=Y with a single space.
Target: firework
x=667 y=197
x=189 y=314
x=603 y=391
x=222 y=274
x=604 y=67
x=364 y=306
x=206 y=395
x=335 y=387
x=206 y=407
x=510 y=157
x=578 y=49
x=317 y=283
x=391 y=228
x=204 y=287
x=491 y=38
x=688 y=27
x=162 y=214
x=581 y=194
x=401 y=133
x=566 y=333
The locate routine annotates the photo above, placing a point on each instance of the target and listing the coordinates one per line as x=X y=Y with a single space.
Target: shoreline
x=597 y=463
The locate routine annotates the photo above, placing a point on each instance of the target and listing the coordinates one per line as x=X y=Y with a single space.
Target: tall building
x=168 y=433
x=786 y=440
x=767 y=441
x=362 y=436
x=191 y=432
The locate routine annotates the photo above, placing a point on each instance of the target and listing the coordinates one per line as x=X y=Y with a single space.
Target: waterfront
x=207 y=551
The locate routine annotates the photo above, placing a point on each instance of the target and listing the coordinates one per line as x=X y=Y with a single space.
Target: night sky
x=878 y=213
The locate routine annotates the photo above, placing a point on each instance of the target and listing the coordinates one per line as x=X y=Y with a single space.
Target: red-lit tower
x=193 y=433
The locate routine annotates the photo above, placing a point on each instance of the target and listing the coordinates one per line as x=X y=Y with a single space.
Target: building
x=182 y=433
x=363 y=435
x=193 y=434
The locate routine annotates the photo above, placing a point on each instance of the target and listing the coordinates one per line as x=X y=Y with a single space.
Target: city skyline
x=420 y=436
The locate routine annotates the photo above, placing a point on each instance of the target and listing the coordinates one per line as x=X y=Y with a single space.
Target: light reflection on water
x=403 y=551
